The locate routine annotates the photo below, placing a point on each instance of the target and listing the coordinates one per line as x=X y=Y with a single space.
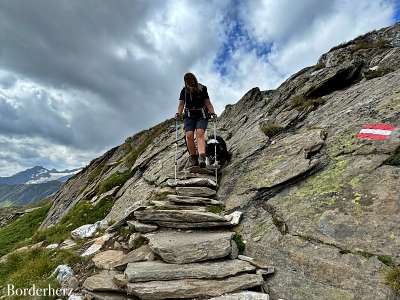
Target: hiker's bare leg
x=190 y=142
x=201 y=141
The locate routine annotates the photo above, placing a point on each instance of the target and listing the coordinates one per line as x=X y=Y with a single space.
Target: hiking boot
x=202 y=161
x=193 y=161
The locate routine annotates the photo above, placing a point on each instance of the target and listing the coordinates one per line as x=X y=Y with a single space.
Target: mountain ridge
x=318 y=204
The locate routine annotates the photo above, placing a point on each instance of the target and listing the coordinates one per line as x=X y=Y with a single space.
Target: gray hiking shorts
x=190 y=124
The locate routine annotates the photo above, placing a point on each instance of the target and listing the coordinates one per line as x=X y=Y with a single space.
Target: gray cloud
x=77 y=77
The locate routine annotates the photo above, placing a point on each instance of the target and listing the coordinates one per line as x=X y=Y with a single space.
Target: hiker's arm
x=181 y=106
x=209 y=106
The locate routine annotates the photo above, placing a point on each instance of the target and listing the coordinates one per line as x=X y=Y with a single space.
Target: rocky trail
x=181 y=250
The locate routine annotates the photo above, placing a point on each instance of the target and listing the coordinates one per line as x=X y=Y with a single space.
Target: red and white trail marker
x=377 y=131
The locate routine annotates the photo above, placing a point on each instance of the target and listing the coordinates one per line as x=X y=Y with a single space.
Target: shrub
x=16 y=233
x=368 y=44
x=116 y=179
x=301 y=103
x=216 y=209
x=239 y=242
x=271 y=129
x=392 y=279
x=82 y=213
x=370 y=74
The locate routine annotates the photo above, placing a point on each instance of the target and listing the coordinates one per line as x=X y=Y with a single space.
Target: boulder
x=192 y=288
x=184 y=247
x=102 y=282
x=193 y=200
x=97 y=245
x=135 y=240
x=142 y=253
x=67 y=244
x=151 y=215
x=158 y=270
x=107 y=259
x=195 y=191
x=52 y=246
x=85 y=231
x=62 y=273
x=141 y=227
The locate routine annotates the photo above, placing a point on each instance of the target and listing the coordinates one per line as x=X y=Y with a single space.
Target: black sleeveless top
x=194 y=100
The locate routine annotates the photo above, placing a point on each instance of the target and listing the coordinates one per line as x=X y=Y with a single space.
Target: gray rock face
x=157 y=270
x=151 y=215
x=183 y=248
x=102 y=282
x=195 y=191
x=306 y=192
x=192 y=288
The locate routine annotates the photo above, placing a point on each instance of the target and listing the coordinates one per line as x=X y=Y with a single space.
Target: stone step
x=196 y=191
x=143 y=253
x=141 y=227
x=188 y=247
x=102 y=282
x=246 y=295
x=158 y=270
x=193 y=200
x=198 y=170
x=189 y=216
x=187 y=225
x=193 y=288
x=199 y=182
x=168 y=205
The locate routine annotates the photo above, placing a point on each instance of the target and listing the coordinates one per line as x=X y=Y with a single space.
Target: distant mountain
x=21 y=194
x=37 y=175
x=31 y=185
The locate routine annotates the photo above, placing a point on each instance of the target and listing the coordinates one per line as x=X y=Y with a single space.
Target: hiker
x=194 y=100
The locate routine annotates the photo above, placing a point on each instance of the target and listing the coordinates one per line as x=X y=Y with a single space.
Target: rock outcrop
x=318 y=204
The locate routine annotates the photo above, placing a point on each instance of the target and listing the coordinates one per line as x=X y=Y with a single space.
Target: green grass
x=301 y=103
x=394 y=159
x=116 y=179
x=365 y=44
x=18 y=232
x=386 y=259
x=370 y=74
x=271 y=129
x=239 y=242
x=145 y=138
x=216 y=209
x=83 y=213
x=34 y=267
x=392 y=279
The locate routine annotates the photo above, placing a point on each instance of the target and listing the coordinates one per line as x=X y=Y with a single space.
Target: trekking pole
x=215 y=150
x=176 y=147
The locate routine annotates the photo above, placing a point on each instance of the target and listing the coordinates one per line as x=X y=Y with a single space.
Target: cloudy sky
x=79 y=76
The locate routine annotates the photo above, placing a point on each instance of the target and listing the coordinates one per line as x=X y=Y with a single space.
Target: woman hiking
x=194 y=100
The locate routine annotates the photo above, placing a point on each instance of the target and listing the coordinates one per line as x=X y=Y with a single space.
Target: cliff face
x=319 y=205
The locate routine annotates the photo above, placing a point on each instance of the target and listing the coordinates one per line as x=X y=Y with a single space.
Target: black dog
x=223 y=155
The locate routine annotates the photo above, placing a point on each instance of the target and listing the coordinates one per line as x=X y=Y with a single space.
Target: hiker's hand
x=178 y=116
